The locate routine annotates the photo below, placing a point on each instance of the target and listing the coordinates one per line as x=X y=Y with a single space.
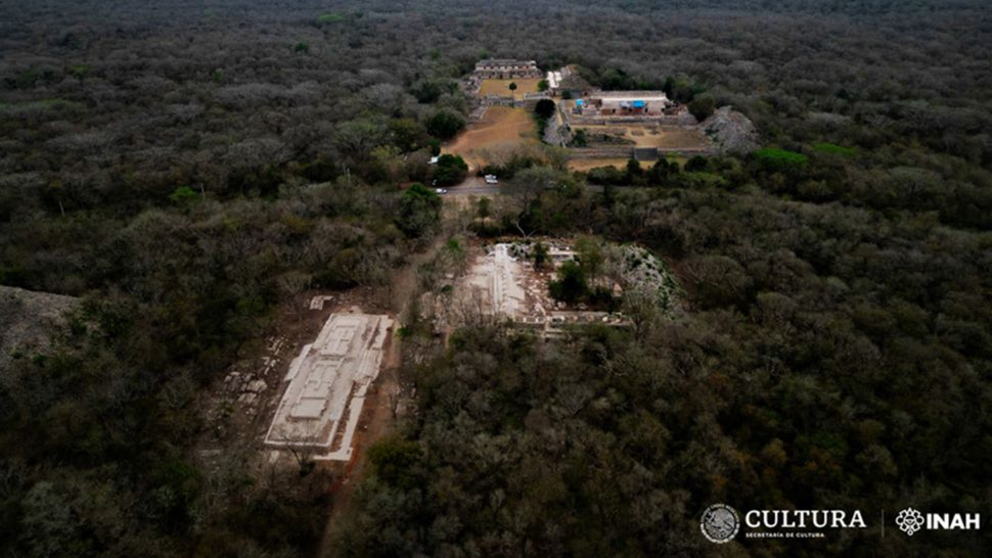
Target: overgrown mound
x=732 y=131
x=642 y=271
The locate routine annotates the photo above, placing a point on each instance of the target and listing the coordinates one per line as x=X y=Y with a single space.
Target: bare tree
x=292 y=284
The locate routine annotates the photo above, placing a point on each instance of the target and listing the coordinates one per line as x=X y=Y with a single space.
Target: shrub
x=445 y=124
x=571 y=284
x=450 y=170
x=702 y=107
x=182 y=194
x=420 y=211
x=776 y=159
x=545 y=109
x=330 y=17
x=835 y=149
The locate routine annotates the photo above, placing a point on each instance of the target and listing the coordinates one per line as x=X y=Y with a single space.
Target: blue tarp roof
x=638 y=104
x=579 y=102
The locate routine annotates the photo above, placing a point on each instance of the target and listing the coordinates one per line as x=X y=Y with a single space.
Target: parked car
x=440 y=191
x=491 y=179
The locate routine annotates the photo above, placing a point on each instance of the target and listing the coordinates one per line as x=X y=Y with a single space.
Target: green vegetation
x=697 y=164
x=331 y=18
x=834 y=149
x=445 y=124
x=396 y=461
x=582 y=280
x=420 y=211
x=579 y=139
x=661 y=173
x=450 y=170
x=80 y=71
x=540 y=255
x=571 y=284
x=780 y=159
x=702 y=107
x=429 y=91
x=545 y=109
x=182 y=194
x=828 y=343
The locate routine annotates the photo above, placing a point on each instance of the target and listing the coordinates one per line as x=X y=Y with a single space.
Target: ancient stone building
x=500 y=68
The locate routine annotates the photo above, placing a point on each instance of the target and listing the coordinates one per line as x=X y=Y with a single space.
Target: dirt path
x=377 y=419
x=376 y=422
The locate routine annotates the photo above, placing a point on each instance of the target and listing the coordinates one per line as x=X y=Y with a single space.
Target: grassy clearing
x=501 y=87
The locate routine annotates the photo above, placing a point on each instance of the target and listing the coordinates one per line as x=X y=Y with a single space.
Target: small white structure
x=627 y=103
x=491 y=179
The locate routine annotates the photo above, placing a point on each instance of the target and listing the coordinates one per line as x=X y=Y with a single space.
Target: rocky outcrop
x=29 y=318
x=731 y=131
x=556 y=132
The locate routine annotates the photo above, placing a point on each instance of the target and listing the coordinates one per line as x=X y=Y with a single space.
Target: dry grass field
x=586 y=164
x=501 y=87
x=501 y=129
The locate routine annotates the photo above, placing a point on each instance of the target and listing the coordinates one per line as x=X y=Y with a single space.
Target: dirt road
x=474 y=186
x=377 y=420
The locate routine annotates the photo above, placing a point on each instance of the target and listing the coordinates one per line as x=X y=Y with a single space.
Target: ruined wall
x=684 y=119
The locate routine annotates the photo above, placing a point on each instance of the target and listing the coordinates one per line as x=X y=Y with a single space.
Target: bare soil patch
x=500 y=128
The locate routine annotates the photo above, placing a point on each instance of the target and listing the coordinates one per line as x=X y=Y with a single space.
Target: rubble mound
x=731 y=131
x=642 y=270
x=29 y=319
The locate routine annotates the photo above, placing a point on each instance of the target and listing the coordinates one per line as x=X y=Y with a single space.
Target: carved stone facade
x=498 y=68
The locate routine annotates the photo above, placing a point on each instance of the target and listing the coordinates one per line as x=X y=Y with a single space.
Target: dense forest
x=186 y=167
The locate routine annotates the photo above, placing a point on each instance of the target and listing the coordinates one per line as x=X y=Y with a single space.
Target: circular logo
x=720 y=523
x=909 y=521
